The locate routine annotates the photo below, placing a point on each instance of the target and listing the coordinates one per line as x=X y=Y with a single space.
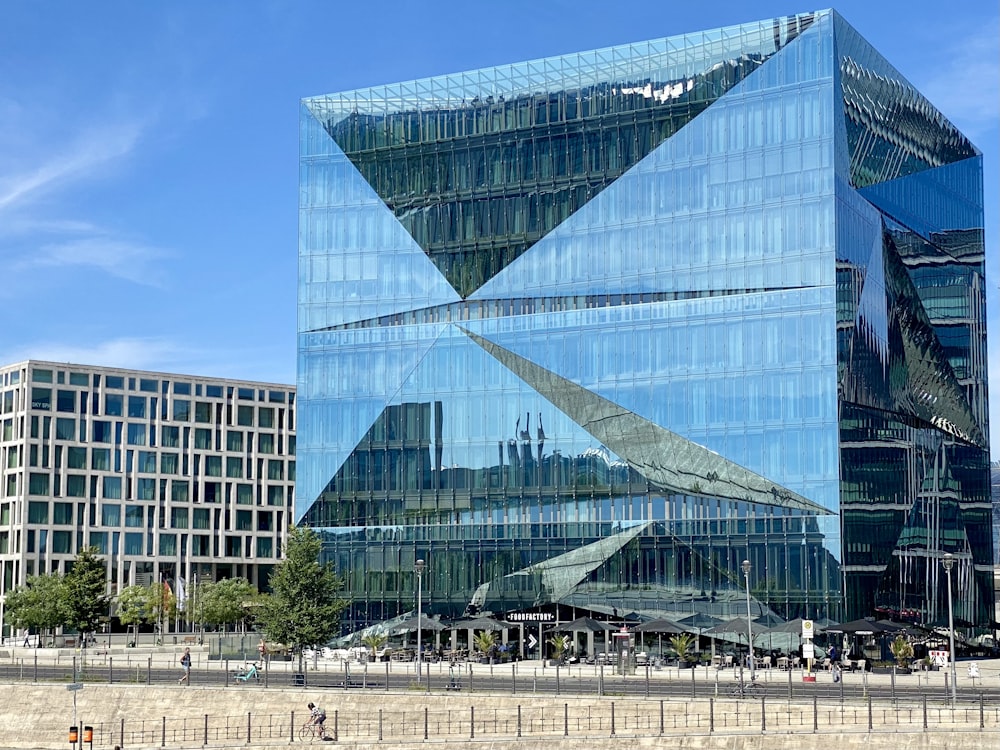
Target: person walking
x=186 y=666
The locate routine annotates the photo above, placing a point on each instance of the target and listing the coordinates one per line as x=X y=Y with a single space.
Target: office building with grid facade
x=170 y=477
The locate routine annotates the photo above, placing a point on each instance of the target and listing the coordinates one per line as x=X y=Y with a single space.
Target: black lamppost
x=746 y=579
x=949 y=562
x=419 y=569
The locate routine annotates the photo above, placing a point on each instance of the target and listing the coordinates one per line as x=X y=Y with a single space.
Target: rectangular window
x=170 y=437
x=112 y=488
x=265 y=443
x=182 y=410
x=101 y=431
x=265 y=547
x=146 y=489
x=213 y=391
x=38 y=484
x=202 y=411
x=244 y=494
x=115 y=381
x=113 y=404
x=134 y=516
x=179 y=491
x=99 y=539
x=136 y=434
x=213 y=466
x=148 y=385
x=244 y=416
x=62 y=542
x=234 y=441
x=202 y=438
x=234 y=467
x=76 y=485
x=137 y=407
x=168 y=463
x=265 y=417
x=41 y=376
x=111 y=515
x=76 y=457
x=244 y=520
x=65 y=428
x=41 y=398
x=276 y=495
x=133 y=543
x=200 y=519
x=79 y=378
x=276 y=397
x=147 y=462
x=62 y=513
x=66 y=401
x=178 y=518
x=182 y=389
x=275 y=469
x=38 y=511
x=213 y=492
x=168 y=545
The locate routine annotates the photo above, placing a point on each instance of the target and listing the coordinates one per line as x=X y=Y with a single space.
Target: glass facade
x=589 y=331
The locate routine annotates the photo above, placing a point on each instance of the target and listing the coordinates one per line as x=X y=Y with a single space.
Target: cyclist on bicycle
x=316 y=718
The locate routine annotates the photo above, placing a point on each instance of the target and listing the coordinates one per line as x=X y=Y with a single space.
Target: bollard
x=925 y=713
x=291 y=728
x=163 y=732
x=612 y=718
x=380 y=725
x=387 y=677
x=763 y=716
x=661 y=715
x=149 y=670
x=815 y=713
x=248 y=727
x=472 y=721
x=425 y=722
x=982 y=715
x=518 y=719
x=121 y=732
x=565 y=720
x=111 y=670
x=513 y=678
x=711 y=716
x=647 y=680
x=693 y=670
x=226 y=669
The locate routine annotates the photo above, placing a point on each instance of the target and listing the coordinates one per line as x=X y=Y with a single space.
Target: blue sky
x=148 y=151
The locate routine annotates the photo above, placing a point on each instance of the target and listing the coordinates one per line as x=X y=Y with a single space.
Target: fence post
x=149 y=670
x=121 y=733
x=163 y=733
x=982 y=715
x=565 y=720
x=612 y=718
x=661 y=715
x=111 y=670
x=35 y=678
x=472 y=721
x=711 y=716
x=248 y=727
x=518 y=719
x=336 y=724
x=425 y=722
x=789 y=665
x=647 y=680
x=513 y=678
x=763 y=716
x=557 y=679
x=869 y=712
x=693 y=670
x=227 y=672
x=291 y=728
x=387 y=677
x=815 y=713
x=600 y=681
x=925 y=713
x=380 y=725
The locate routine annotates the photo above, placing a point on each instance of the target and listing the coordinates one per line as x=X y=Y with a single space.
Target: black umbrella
x=699 y=620
x=865 y=626
x=660 y=625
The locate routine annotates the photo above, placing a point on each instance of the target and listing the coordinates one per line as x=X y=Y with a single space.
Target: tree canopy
x=41 y=604
x=85 y=583
x=226 y=602
x=304 y=606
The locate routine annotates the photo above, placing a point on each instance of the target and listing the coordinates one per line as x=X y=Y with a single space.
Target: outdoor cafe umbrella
x=586 y=625
x=659 y=626
x=480 y=624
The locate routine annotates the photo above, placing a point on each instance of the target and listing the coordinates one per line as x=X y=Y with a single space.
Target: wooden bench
x=190 y=639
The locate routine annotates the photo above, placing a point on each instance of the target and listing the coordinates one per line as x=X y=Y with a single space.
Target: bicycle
x=746 y=689
x=247 y=674
x=310 y=732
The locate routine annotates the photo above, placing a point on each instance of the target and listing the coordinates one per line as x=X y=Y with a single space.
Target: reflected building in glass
x=586 y=332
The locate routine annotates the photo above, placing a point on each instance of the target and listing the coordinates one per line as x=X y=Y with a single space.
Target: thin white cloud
x=120 y=258
x=965 y=77
x=87 y=159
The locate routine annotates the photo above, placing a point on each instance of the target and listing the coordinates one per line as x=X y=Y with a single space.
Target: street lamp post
x=419 y=569
x=949 y=562
x=746 y=579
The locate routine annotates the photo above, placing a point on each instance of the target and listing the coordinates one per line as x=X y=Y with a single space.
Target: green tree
x=682 y=645
x=133 y=607
x=86 y=586
x=41 y=604
x=375 y=642
x=227 y=602
x=485 y=641
x=304 y=606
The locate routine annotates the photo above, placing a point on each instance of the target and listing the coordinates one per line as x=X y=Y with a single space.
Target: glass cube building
x=586 y=332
